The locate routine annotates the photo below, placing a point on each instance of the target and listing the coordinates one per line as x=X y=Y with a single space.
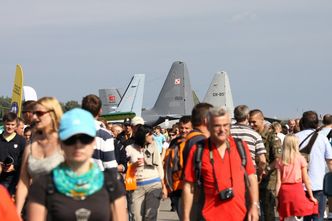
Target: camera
x=226 y=194
x=8 y=161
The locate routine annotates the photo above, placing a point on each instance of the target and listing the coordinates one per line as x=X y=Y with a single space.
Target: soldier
x=273 y=150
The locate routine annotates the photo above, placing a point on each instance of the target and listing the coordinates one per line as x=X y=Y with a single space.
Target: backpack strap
x=243 y=156
x=199 y=197
x=308 y=147
x=306 y=138
x=329 y=135
x=168 y=177
x=198 y=162
x=242 y=152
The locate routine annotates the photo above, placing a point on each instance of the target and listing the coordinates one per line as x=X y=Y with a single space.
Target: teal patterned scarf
x=78 y=186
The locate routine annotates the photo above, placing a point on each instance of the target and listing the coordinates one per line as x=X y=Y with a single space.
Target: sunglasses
x=83 y=138
x=40 y=113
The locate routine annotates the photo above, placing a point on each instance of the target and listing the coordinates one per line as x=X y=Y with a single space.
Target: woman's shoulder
x=131 y=148
x=152 y=146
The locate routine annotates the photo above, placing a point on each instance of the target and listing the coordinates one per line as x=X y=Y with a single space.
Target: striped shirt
x=251 y=137
x=104 y=154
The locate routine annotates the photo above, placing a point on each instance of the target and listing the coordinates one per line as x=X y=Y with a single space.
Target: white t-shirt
x=320 y=152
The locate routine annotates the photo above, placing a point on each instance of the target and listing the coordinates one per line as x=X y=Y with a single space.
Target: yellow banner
x=17 y=93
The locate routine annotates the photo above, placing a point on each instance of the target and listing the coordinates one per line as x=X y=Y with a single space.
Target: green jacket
x=273 y=151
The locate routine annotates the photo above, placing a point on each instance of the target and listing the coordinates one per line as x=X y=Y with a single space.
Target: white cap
x=137 y=120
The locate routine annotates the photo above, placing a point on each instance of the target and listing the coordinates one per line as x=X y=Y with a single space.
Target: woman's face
x=42 y=117
x=78 y=148
x=149 y=138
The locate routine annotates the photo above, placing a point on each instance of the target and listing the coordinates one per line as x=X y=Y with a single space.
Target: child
x=291 y=172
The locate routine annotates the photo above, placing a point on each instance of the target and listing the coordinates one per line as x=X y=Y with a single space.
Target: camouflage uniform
x=267 y=185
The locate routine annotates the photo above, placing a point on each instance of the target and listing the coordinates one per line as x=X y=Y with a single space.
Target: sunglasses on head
x=40 y=113
x=83 y=138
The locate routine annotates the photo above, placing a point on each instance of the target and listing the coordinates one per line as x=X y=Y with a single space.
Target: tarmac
x=165 y=213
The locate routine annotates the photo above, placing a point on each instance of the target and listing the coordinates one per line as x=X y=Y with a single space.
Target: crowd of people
x=76 y=166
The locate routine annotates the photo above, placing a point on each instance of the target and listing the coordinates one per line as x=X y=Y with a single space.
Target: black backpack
x=199 y=190
x=198 y=159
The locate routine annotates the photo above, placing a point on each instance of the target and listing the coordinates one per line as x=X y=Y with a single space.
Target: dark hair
x=256 y=111
x=140 y=135
x=9 y=117
x=327 y=119
x=28 y=106
x=27 y=129
x=157 y=128
x=185 y=119
x=309 y=120
x=200 y=113
x=91 y=103
x=241 y=113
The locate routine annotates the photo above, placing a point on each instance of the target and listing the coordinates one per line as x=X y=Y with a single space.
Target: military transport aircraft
x=175 y=98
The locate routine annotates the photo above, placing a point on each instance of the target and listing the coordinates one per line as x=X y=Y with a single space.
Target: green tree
x=70 y=105
x=5 y=102
x=4 y=105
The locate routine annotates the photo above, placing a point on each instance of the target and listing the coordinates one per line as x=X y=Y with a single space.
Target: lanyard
x=212 y=163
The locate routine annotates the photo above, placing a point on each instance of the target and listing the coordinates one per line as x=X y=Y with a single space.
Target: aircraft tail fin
x=176 y=95
x=17 y=93
x=196 y=99
x=110 y=99
x=132 y=99
x=219 y=93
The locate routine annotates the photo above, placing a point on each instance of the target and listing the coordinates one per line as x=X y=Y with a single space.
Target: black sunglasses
x=83 y=138
x=40 y=113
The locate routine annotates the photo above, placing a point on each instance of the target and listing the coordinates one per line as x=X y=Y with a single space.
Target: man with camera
x=11 y=151
x=221 y=175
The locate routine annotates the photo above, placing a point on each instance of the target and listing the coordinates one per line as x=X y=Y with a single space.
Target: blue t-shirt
x=160 y=140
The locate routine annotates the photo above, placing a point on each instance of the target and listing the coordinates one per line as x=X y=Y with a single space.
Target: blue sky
x=278 y=54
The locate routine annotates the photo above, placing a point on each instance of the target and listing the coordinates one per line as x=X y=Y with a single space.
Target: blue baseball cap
x=77 y=121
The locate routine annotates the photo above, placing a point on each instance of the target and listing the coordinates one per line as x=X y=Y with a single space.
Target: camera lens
x=9 y=160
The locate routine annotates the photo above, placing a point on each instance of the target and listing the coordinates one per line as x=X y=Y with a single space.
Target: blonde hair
x=53 y=105
x=276 y=126
x=290 y=149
